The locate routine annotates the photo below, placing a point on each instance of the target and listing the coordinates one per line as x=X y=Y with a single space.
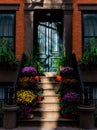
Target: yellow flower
x=25 y=96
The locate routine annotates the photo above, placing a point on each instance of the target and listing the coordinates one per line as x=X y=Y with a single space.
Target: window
x=7 y=28
x=89 y=29
x=6 y=93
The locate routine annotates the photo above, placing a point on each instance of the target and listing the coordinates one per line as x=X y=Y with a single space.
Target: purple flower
x=71 y=97
x=66 y=70
x=24 y=111
x=29 y=70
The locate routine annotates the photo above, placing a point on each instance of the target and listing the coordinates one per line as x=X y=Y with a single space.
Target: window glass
x=7 y=29
x=89 y=30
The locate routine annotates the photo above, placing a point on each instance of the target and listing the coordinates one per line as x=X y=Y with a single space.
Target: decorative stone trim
x=87 y=6
x=11 y=6
x=40 y=5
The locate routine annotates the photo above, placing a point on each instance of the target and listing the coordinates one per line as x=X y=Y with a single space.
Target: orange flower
x=37 y=78
x=58 y=78
x=25 y=80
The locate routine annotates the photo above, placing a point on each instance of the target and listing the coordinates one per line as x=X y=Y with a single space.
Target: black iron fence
x=90 y=91
x=8 y=90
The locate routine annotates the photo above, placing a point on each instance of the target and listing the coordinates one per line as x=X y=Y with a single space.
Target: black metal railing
x=8 y=90
x=72 y=61
x=6 y=93
x=79 y=77
x=17 y=76
x=90 y=91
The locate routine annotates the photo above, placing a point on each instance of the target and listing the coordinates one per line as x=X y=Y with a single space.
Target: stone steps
x=48 y=112
x=38 y=121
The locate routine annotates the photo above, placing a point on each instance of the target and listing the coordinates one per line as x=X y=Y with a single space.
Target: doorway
x=48 y=37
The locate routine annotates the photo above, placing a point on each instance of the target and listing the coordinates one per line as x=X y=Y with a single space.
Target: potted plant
x=60 y=61
x=88 y=63
x=40 y=96
x=8 y=63
x=33 y=60
x=69 y=92
x=28 y=91
x=7 y=57
x=26 y=101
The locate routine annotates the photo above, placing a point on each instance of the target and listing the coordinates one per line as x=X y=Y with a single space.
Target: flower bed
x=68 y=92
x=28 y=92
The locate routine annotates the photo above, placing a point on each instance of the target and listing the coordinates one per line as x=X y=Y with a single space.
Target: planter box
x=89 y=75
x=7 y=75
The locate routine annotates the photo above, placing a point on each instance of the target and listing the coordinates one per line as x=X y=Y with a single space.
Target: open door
x=48 y=39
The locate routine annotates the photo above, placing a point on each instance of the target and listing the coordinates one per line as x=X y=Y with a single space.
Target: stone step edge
x=45 y=110
x=42 y=119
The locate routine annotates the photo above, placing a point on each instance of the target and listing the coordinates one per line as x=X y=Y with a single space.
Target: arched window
x=89 y=29
x=7 y=28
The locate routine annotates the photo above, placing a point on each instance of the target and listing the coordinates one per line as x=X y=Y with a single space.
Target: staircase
x=48 y=113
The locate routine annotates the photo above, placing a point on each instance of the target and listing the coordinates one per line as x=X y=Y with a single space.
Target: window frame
x=14 y=29
x=86 y=12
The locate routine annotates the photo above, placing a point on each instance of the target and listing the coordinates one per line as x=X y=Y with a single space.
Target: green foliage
x=60 y=61
x=40 y=94
x=7 y=56
x=95 y=119
x=57 y=89
x=89 y=57
x=70 y=109
x=34 y=61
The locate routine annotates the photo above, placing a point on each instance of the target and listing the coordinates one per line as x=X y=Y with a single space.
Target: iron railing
x=17 y=76
x=8 y=90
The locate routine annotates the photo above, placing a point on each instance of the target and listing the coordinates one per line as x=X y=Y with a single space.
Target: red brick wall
x=77 y=27
x=20 y=30
x=19 y=26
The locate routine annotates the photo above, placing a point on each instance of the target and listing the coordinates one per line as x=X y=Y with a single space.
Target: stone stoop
x=48 y=113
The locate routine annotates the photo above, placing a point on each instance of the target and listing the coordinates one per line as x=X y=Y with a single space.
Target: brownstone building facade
x=48 y=27
x=27 y=14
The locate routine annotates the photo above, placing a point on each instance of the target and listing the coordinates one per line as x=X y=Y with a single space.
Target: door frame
x=47 y=16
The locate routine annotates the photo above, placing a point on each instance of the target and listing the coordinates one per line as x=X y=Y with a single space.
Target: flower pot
x=86 y=116
x=65 y=116
x=9 y=119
